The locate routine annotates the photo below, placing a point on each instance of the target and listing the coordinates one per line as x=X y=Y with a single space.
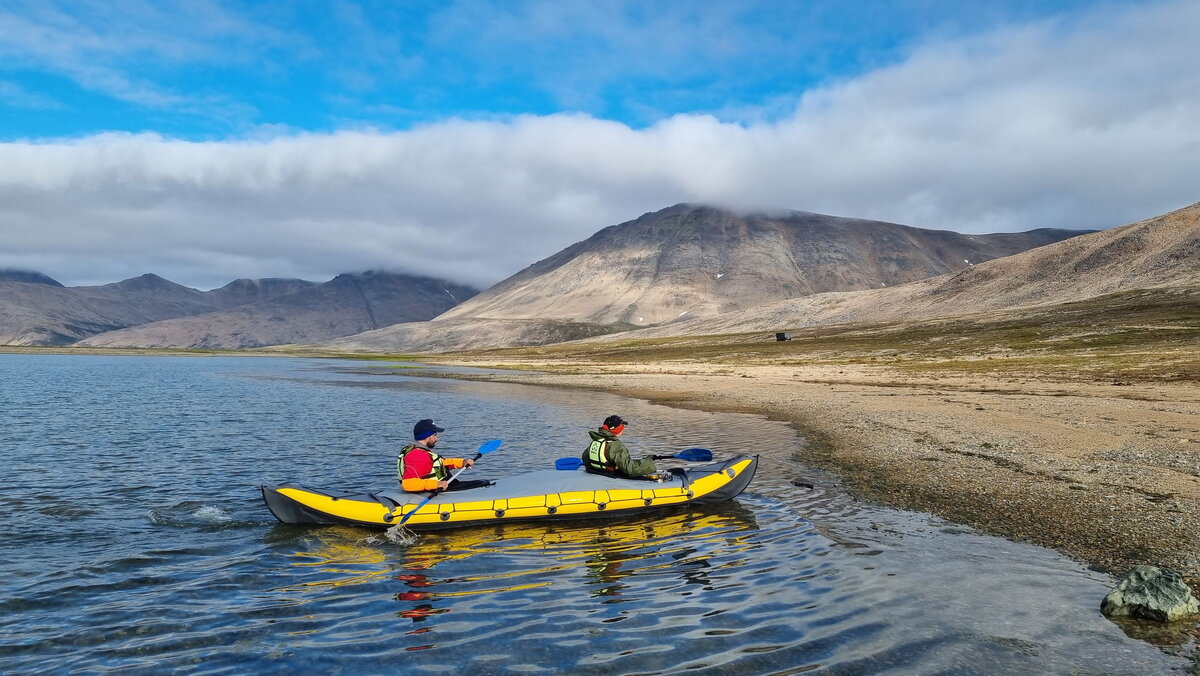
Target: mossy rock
x=1151 y=593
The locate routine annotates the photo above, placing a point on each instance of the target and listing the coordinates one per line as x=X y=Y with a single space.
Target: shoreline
x=1106 y=473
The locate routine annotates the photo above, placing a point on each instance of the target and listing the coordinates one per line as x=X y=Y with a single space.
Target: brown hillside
x=1157 y=252
x=691 y=260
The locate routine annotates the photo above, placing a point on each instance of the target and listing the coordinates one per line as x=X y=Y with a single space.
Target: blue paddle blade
x=695 y=454
x=489 y=446
x=568 y=463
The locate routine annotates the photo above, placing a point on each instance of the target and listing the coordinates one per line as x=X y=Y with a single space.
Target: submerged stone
x=1151 y=593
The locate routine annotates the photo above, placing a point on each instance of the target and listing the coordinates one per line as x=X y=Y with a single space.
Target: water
x=135 y=540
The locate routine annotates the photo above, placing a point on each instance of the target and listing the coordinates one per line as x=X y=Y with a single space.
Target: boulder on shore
x=1151 y=593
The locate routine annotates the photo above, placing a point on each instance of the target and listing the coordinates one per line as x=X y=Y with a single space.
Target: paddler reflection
x=604 y=567
x=417 y=594
x=613 y=552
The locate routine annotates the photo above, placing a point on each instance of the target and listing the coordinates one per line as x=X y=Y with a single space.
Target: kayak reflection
x=599 y=557
x=476 y=568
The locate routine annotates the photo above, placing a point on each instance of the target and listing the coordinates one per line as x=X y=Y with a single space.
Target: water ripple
x=136 y=541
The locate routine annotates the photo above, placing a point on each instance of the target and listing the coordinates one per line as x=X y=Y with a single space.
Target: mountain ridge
x=345 y=305
x=620 y=277
x=1158 y=252
x=38 y=313
x=692 y=259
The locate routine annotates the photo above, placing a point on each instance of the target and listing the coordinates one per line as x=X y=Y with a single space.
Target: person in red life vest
x=419 y=468
x=607 y=455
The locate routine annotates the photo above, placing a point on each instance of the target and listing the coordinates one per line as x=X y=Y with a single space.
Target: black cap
x=425 y=429
x=614 y=421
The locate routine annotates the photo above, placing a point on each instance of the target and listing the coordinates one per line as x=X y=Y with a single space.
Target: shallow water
x=135 y=540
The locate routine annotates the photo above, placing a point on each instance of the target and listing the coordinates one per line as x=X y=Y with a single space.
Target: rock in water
x=1151 y=593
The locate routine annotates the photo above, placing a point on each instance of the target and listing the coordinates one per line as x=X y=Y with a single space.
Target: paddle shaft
x=687 y=455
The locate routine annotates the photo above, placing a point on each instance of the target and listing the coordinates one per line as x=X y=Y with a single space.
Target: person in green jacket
x=607 y=455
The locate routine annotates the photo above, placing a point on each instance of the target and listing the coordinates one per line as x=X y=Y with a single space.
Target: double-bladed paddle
x=483 y=450
x=688 y=454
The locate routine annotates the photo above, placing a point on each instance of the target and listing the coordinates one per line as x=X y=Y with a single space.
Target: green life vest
x=439 y=471
x=596 y=456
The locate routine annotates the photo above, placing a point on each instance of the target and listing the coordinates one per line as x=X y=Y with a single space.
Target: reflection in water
x=600 y=557
x=1173 y=637
x=340 y=556
x=601 y=552
x=604 y=567
x=623 y=561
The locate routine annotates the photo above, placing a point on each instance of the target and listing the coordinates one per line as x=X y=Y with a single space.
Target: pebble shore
x=1108 y=473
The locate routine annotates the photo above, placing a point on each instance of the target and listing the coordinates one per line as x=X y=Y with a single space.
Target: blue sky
x=210 y=140
x=213 y=70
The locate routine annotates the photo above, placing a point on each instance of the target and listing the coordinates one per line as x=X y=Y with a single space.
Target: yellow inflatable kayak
x=544 y=494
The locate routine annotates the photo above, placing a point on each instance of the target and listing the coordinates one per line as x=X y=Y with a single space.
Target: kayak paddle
x=483 y=450
x=689 y=455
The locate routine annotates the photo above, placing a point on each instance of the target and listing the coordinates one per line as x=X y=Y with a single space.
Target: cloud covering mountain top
x=1085 y=120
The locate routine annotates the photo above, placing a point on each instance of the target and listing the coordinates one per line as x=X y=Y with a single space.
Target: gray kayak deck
x=528 y=484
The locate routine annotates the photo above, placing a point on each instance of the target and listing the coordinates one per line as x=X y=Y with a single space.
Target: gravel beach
x=1108 y=473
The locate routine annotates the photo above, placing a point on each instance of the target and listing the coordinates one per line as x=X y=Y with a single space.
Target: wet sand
x=1108 y=473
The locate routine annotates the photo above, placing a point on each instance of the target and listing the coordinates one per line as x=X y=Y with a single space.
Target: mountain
x=1157 y=253
x=694 y=260
x=27 y=276
x=347 y=304
x=691 y=261
x=37 y=313
x=243 y=291
x=36 y=310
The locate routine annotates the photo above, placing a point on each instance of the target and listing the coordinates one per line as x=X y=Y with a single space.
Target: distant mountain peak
x=148 y=282
x=27 y=277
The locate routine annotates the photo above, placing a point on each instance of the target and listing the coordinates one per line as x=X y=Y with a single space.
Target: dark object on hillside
x=1151 y=593
x=781 y=337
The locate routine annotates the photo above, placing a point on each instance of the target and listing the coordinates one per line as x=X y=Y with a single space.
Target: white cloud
x=1084 y=124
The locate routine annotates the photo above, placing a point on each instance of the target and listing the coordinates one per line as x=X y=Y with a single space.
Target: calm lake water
x=135 y=540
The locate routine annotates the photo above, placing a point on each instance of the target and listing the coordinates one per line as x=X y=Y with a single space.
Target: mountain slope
x=347 y=304
x=38 y=313
x=1159 y=252
x=28 y=276
x=444 y=335
x=691 y=260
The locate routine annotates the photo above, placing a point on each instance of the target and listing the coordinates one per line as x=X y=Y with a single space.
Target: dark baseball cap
x=614 y=421
x=425 y=429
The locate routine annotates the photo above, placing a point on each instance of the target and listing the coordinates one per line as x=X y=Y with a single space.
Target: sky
x=211 y=140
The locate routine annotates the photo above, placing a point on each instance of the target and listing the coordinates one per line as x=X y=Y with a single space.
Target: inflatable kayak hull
x=521 y=497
